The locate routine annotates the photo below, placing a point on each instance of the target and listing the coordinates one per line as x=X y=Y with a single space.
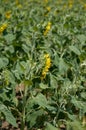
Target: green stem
x=23 y=109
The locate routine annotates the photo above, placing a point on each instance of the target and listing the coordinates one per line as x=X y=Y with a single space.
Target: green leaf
x=75 y=50
x=83 y=95
x=43 y=86
x=18 y=71
x=3 y=62
x=50 y=127
x=25 y=48
x=56 y=60
x=79 y=104
x=53 y=81
x=41 y=100
x=9 y=38
x=8 y=115
x=71 y=117
x=62 y=66
x=10 y=49
x=32 y=117
x=8 y=76
x=75 y=125
x=81 y=38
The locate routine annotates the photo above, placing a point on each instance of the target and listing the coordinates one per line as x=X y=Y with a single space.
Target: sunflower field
x=42 y=65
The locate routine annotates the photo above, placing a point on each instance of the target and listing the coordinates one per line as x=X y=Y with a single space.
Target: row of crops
x=43 y=64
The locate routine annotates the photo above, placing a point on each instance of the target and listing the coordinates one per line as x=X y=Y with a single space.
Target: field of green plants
x=43 y=65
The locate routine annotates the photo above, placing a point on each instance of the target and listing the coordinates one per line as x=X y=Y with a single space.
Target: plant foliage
x=43 y=64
